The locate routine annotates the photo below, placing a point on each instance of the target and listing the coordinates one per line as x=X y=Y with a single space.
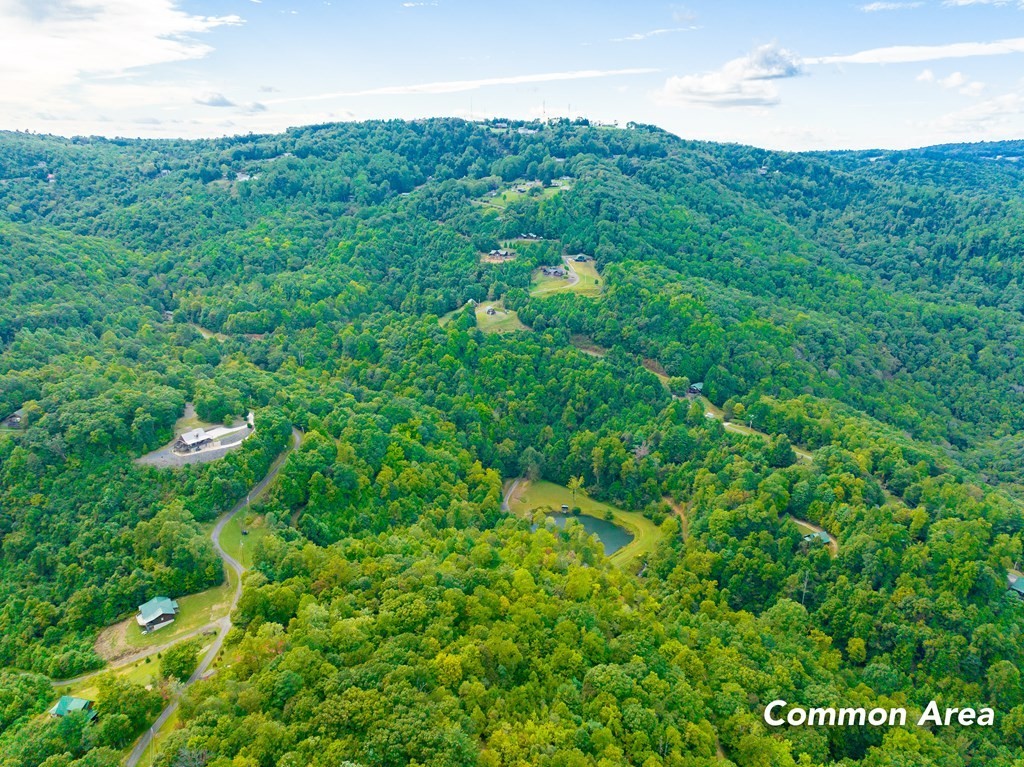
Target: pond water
x=612 y=536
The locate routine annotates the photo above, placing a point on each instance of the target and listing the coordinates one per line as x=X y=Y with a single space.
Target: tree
x=575 y=485
x=180 y=661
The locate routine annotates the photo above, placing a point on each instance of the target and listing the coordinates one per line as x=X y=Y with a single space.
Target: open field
x=520 y=190
x=646 y=535
x=543 y=285
x=195 y=612
x=583 y=279
x=502 y=321
x=241 y=546
x=591 y=283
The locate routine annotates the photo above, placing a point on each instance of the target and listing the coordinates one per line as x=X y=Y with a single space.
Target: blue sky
x=788 y=75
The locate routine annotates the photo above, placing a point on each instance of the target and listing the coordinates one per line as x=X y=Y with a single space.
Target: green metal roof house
x=69 y=704
x=819 y=535
x=1016 y=586
x=156 y=613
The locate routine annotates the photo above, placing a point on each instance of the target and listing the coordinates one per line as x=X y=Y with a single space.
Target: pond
x=612 y=536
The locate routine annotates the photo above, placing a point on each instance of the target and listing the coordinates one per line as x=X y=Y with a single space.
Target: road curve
x=224 y=624
x=508 y=495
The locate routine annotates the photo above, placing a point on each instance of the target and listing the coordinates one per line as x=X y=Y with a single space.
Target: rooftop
x=156 y=607
x=68 y=704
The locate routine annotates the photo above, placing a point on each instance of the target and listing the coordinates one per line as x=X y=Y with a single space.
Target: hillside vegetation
x=866 y=307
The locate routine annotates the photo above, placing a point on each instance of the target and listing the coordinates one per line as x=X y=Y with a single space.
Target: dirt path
x=714 y=412
x=223 y=625
x=832 y=545
x=683 y=513
x=509 y=493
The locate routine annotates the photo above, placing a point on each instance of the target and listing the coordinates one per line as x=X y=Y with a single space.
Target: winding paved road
x=222 y=625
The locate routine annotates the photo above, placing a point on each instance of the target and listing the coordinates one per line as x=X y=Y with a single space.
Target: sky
x=777 y=74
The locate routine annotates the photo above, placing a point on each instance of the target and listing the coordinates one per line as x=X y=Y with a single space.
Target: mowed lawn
x=646 y=535
x=241 y=546
x=195 y=611
x=502 y=321
x=589 y=283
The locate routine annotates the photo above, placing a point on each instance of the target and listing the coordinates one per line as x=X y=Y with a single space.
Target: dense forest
x=864 y=310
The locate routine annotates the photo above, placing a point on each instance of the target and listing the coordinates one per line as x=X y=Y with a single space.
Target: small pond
x=612 y=536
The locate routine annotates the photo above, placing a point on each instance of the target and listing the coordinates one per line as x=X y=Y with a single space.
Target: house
x=490 y=310
x=580 y=259
x=819 y=535
x=696 y=388
x=195 y=440
x=553 y=271
x=1016 y=585
x=69 y=704
x=156 y=613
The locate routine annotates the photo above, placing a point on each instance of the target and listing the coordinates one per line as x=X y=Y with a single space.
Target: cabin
x=14 y=420
x=819 y=535
x=491 y=310
x=580 y=259
x=696 y=389
x=68 y=704
x=1016 y=586
x=156 y=613
x=553 y=271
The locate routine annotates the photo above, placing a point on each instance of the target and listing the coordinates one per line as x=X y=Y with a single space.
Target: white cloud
x=906 y=54
x=956 y=81
x=962 y=3
x=652 y=33
x=998 y=117
x=45 y=47
x=746 y=81
x=875 y=7
x=214 y=100
x=461 y=86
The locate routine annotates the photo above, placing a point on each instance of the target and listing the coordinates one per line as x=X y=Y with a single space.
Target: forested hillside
x=863 y=312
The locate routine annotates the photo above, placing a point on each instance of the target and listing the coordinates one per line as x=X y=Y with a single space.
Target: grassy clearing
x=543 y=285
x=195 y=611
x=591 y=283
x=521 y=190
x=587 y=346
x=209 y=333
x=241 y=546
x=807 y=528
x=502 y=321
x=139 y=672
x=584 y=280
x=646 y=535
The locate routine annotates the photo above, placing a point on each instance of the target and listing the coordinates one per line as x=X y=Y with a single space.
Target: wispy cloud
x=875 y=7
x=460 y=86
x=906 y=54
x=214 y=100
x=652 y=33
x=45 y=47
x=742 y=82
x=996 y=117
x=962 y=3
